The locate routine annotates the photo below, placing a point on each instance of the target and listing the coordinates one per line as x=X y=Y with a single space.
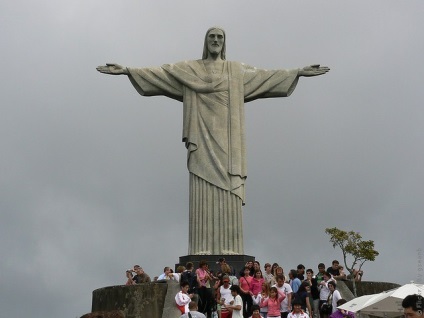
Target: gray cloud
x=93 y=175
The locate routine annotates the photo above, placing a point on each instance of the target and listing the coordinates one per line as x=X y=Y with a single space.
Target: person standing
x=245 y=282
x=182 y=298
x=314 y=292
x=167 y=274
x=273 y=302
x=320 y=275
x=301 y=272
x=256 y=283
x=236 y=307
x=334 y=270
x=262 y=295
x=268 y=276
x=140 y=276
x=285 y=306
x=335 y=295
x=205 y=296
x=324 y=293
x=294 y=281
x=297 y=311
x=256 y=312
x=224 y=297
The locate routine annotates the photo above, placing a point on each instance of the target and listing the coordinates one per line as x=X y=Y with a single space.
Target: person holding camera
x=139 y=277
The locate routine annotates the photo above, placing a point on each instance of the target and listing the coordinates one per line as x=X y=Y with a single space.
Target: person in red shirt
x=256 y=284
x=245 y=282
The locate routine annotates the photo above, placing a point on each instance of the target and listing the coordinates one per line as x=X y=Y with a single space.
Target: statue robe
x=214 y=135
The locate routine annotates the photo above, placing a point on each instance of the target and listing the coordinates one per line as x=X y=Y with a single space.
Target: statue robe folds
x=214 y=135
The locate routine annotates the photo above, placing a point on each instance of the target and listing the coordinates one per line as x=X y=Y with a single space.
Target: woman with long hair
x=244 y=282
x=262 y=295
x=273 y=302
x=273 y=268
x=205 y=297
x=302 y=295
x=256 y=284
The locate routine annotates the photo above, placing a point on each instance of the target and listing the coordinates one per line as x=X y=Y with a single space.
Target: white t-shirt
x=286 y=288
x=238 y=313
x=336 y=298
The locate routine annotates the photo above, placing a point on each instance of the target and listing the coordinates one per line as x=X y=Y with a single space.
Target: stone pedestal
x=237 y=262
x=152 y=300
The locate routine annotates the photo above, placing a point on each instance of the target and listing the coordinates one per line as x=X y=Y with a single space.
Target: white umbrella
x=385 y=304
x=357 y=303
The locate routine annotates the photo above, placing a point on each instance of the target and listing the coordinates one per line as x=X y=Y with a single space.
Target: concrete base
x=152 y=300
x=157 y=300
x=237 y=262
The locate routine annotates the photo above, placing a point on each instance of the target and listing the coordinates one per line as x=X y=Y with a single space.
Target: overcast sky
x=93 y=175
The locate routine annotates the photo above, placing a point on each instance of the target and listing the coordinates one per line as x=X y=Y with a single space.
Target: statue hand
x=313 y=70
x=112 y=69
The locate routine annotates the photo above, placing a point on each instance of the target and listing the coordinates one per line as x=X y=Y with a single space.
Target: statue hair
x=205 y=46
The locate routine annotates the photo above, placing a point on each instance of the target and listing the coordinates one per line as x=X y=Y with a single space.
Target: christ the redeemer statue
x=213 y=91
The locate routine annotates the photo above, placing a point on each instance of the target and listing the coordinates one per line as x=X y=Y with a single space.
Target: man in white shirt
x=285 y=306
x=237 y=306
x=324 y=291
x=165 y=274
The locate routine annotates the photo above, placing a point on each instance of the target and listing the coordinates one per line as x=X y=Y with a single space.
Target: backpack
x=191 y=279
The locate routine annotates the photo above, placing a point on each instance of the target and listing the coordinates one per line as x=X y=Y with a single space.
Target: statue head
x=214 y=47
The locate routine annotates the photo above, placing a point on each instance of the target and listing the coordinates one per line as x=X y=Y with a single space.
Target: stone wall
x=368 y=288
x=157 y=300
x=148 y=300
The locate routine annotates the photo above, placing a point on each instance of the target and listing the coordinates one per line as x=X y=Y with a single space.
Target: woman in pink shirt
x=245 y=282
x=273 y=302
x=205 y=296
x=256 y=283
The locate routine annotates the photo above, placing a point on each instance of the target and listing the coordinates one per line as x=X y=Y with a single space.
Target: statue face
x=215 y=41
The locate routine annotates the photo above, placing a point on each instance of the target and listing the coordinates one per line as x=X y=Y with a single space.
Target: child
x=182 y=299
x=236 y=306
x=273 y=302
x=263 y=294
x=297 y=310
x=255 y=312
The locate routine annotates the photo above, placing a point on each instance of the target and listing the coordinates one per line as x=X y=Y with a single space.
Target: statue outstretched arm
x=112 y=69
x=313 y=70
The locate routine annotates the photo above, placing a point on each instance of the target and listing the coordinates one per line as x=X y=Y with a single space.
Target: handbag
x=327 y=307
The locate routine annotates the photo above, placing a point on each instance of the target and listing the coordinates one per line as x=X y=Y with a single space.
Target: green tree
x=354 y=249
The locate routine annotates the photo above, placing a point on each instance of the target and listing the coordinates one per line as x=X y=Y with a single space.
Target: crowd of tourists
x=254 y=292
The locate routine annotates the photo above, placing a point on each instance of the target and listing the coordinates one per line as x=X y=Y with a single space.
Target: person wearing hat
x=224 y=297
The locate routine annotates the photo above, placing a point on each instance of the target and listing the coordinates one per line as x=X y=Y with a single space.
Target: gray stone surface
x=344 y=290
x=105 y=314
x=213 y=91
x=170 y=309
x=137 y=301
